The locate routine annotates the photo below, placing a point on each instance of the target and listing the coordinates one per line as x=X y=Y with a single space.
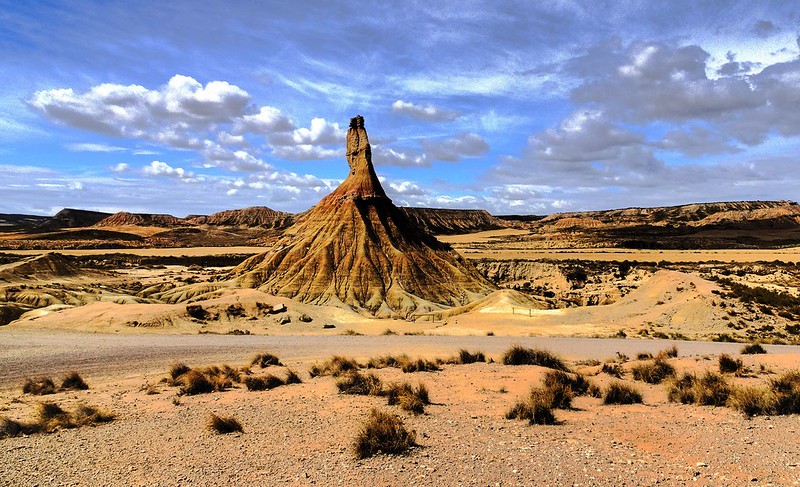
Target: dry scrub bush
x=358 y=384
x=351 y=332
x=176 y=370
x=194 y=382
x=613 y=369
x=407 y=397
x=335 y=366
x=292 y=377
x=86 y=415
x=752 y=349
x=752 y=401
x=729 y=365
x=73 y=381
x=383 y=433
x=39 y=386
x=670 y=352
x=262 y=382
x=644 y=356
x=517 y=355
x=264 y=360
x=467 y=357
x=223 y=425
x=403 y=362
x=536 y=408
x=621 y=393
x=710 y=389
x=653 y=372
x=556 y=379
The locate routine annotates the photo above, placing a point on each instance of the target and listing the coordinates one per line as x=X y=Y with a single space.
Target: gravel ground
x=302 y=434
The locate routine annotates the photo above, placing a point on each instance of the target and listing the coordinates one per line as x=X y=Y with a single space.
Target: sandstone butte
x=356 y=248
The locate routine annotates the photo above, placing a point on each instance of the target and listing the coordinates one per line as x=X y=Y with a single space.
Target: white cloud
x=90 y=147
x=427 y=113
x=162 y=169
x=455 y=148
x=120 y=168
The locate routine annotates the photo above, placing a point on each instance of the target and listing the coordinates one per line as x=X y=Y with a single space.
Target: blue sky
x=515 y=107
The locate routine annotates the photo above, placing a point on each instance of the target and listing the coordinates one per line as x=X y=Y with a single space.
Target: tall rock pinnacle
x=356 y=248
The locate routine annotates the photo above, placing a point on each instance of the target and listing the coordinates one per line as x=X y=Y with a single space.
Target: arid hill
x=124 y=218
x=357 y=248
x=254 y=216
x=443 y=221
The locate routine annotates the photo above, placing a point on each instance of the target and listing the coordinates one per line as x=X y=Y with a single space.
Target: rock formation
x=254 y=216
x=357 y=248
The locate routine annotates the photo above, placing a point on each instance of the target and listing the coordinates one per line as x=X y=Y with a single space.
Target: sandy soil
x=301 y=434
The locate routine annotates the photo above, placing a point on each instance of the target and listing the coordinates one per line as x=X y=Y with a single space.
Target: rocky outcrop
x=355 y=247
x=441 y=221
x=254 y=216
x=140 y=219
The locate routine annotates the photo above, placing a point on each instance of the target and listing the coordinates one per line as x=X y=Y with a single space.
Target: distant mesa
x=254 y=216
x=356 y=248
x=140 y=219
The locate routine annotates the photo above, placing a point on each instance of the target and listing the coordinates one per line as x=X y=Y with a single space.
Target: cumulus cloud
x=120 y=168
x=387 y=156
x=266 y=121
x=162 y=169
x=427 y=113
x=455 y=148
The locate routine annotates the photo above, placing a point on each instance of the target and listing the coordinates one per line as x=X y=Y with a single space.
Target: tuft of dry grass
x=264 y=360
x=753 y=349
x=335 y=366
x=653 y=372
x=39 y=386
x=10 y=428
x=176 y=370
x=86 y=415
x=262 y=382
x=518 y=355
x=730 y=365
x=786 y=391
x=292 y=377
x=194 y=382
x=467 y=357
x=351 y=332
x=536 y=408
x=51 y=417
x=407 y=397
x=383 y=433
x=621 y=393
x=223 y=425
x=671 y=352
x=752 y=401
x=612 y=368
x=710 y=389
x=389 y=332
x=403 y=362
x=74 y=382
x=359 y=384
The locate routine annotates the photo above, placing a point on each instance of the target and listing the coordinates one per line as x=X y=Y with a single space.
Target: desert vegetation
x=654 y=371
x=51 y=417
x=753 y=349
x=335 y=366
x=223 y=424
x=621 y=393
x=517 y=355
x=383 y=432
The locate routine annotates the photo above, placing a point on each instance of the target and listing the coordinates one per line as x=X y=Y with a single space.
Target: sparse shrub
x=351 y=332
x=670 y=352
x=653 y=372
x=402 y=362
x=489 y=333
x=613 y=369
x=10 y=428
x=621 y=393
x=729 y=365
x=86 y=415
x=292 y=377
x=556 y=379
x=221 y=377
x=51 y=417
x=644 y=356
x=786 y=390
x=595 y=391
x=223 y=425
x=262 y=382
x=335 y=366
x=177 y=370
x=712 y=390
x=359 y=384
x=39 y=386
x=388 y=332
x=466 y=357
x=194 y=382
x=407 y=397
x=383 y=433
x=73 y=381
x=682 y=389
x=752 y=401
x=264 y=360
x=419 y=365
x=386 y=361
x=517 y=355
x=536 y=408
x=752 y=349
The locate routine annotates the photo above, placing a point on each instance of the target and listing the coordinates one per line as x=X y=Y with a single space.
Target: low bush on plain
x=39 y=386
x=360 y=384
x=404 y=363
x=262 y=382
x=74 y=382
x=517 y=355
x=223 y=424
x=335 y=366
x=407 y=397
x=653 y=372
x=536 y=408
x=752 y=349
x=621 y=393
x=730 y=365
x=383 y=433
x=264 y=360
x=710 y=389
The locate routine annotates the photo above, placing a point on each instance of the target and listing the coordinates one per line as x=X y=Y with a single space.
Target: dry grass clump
x=403 y=362
x=670 y=352
x=467 y=357
x=786 y=393
x=10 y=428
x=613 y=369
x=335 y=366
x=576 y=383
x=407 y=397
x=86 y=415
x=176 y=370
x=644 y=356
x=383 y=433
x=292 y=377
x=536 y=408
x=730 y=365
x=202 y=380
x=264 y=360
x=39 y=386
x=351 y=332
x=752 y=349
x=262 y=382
x=74 y=382
x=710 y=389
x=194 y=382
x=358 y=384
x=752 y=401
x=518 y=355
x=621 y=393
x=223 y=425
x=653 y=372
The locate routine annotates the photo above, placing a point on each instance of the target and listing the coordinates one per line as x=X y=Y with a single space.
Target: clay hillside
x=254 y=216
x=357 y=248
x=442 y=221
